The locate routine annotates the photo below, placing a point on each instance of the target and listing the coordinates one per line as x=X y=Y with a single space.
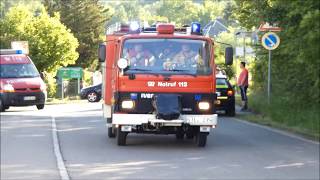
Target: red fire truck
x=159 y=80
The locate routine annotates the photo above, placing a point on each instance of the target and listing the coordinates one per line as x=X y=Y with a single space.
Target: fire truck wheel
x=111 y=132
x=121 y=137
x=202 y=139
x=40 y=106
x=179 y=133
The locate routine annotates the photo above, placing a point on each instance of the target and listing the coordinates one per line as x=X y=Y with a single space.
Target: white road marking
x=277 y=131
x=57 y=151
x=284 y=165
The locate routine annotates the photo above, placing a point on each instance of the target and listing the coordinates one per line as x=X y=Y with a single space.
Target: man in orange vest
x=243 y=85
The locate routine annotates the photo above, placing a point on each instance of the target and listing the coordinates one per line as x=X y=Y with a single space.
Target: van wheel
x=202 y=139
x=2 y=107
x=121 y=137
x=40 y=106
x=111 y=132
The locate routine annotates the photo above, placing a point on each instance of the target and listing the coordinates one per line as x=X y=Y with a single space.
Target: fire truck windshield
x=167 y=56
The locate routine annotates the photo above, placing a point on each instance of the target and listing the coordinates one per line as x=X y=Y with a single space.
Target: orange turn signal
x=230 y=92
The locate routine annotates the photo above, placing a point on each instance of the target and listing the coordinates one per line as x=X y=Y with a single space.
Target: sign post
x=270 y=41
x=70 y=73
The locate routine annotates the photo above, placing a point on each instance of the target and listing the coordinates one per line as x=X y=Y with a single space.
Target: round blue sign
x=270 y=41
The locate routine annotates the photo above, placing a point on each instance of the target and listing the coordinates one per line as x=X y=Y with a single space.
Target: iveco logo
x=146 y=95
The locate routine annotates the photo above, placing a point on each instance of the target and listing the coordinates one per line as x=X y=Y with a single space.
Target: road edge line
x=57 y=151
x=277 y=131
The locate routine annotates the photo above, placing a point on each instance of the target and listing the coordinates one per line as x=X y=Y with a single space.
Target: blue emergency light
x=195 y=28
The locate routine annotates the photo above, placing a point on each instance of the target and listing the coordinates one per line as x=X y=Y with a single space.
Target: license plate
x=205 y=129
x=29 y=98
x=126 y=128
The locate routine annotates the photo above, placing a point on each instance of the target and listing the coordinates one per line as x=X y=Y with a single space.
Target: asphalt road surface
x=235 y=150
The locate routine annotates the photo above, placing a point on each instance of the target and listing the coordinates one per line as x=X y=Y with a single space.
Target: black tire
x=6 y=107
x=121 y=137
x=202 y=139
x=40 y=106
x=92 y=96
x=2 y=107
x=111 y=132
x=179 y=134
x=231 y=112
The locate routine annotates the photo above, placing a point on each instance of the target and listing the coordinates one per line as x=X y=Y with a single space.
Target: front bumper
x=140 y=119
x=23 y=99
x=83 y=94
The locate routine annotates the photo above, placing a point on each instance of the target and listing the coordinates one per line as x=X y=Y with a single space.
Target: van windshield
x=18 y=71
x=167 y=56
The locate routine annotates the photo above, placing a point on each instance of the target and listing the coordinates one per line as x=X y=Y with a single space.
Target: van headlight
x=204 y=105
x=127 y=104
x=8 y=88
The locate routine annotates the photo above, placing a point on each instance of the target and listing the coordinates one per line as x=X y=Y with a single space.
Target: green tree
x=51 y=43
x=295 y=64
x=86 y=20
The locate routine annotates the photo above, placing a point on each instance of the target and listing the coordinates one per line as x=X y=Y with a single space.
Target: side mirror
x=102 y=52
x=41 y=75
x=229 y=56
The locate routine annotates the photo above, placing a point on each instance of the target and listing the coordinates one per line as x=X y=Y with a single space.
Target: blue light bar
x=195 y=28
x=19 y=52
x=10 y=51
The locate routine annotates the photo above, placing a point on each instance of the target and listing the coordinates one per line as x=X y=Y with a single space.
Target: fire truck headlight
x=127 y=104
x=203 y=105
x=122 y=63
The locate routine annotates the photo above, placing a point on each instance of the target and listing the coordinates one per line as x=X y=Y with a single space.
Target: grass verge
x=283 y=115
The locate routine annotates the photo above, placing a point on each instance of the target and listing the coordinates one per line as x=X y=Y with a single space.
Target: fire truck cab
x=159 y=80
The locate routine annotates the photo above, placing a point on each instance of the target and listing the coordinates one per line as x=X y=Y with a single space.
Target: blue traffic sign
x=270 y=41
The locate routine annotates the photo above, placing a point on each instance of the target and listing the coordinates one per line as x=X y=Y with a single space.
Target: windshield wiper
x=145 y=71
x=29 y=76
x=183 y=70
x=138 y=69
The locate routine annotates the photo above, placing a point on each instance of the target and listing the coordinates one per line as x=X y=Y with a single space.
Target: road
x=235 y=150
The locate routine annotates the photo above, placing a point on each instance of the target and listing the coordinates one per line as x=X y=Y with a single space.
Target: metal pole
x=244 y=47
x=62 y=88
x=269 y=77
x=78 y=85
